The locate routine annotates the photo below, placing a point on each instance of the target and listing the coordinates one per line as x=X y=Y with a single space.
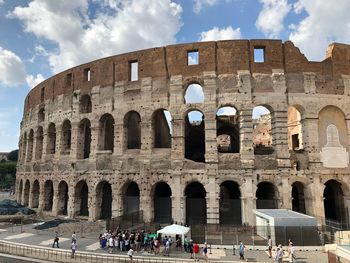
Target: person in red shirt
x=196 y=251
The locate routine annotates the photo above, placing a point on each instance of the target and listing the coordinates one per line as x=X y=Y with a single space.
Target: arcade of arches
x=160 y=204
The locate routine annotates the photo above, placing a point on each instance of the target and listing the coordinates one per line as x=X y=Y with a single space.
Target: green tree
x=13 y=156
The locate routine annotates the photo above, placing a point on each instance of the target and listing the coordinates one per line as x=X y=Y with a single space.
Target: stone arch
x=295 y=129
x=194 y=93
x=106 y=131
x=227 y=130
x=35 y=194
x=104 y=199
x=39 y=143
x=84 y=141
x=66 y=137
x=333 y=200
x=132 y=130
x=51 y=139
x=161 y=126
x=195 y=136
x=25 y=200
x=266 y=196
x=162 y=203
x=131 y=198
x=48 y=195
x=262 y=129
x=81 y=198
x=30 y=145
x=298 y=197
x=41 y=115
x=196 y=205
x=85 y=105
x=62 y=206
x=230 y=208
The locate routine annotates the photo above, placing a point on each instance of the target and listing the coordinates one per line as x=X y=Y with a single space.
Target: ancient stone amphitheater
x=193 y=133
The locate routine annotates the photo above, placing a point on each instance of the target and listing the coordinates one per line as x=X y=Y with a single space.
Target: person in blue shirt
x=241 y=250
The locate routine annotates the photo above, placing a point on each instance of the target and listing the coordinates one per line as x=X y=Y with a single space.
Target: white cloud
x=194 y=94
x=325 y=22
x=220 y=34
x=198 y=4
x=32 y=81
x=12 y=71
x=1 y=2
x=118 y=26
x=270 y=19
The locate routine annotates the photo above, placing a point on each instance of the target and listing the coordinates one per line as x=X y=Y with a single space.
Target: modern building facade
x=171 y=131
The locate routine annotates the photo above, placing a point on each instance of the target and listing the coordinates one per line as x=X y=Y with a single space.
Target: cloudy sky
x=40 y=38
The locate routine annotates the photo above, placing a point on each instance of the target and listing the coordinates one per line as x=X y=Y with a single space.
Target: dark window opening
x=85 y=104
x=161 y=129
x=132 y=126
x=334 y=202
x=30 y=145
x=195 y=136
x=266 y=196
x=41 y=115
x=51 y=140
x=85 y=139
x=298 y=199
x=196 y=206
x=192 y=57
x=295 y=142
x=132 y=198
x=259 y=54
x=107 y=132
x=162 y=203
x=69 y=79
x=42 y=95
x=227 y=130
x=87 y=74
x=35 y=194
x=134 y=70
x=39 y=143
x=230 y=204
x=25 y=200
x=66 y=137
x=82 y=199
x=62 y=198
x=104 y=193
x=48 y=195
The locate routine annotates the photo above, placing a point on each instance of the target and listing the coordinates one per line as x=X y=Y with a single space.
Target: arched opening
x=162 y=203
x=230 y=204
x=41 y=115
x=298 y=199
x=104 y=199
x=194 y=94
x=39 y=143
x=295 y=138
x=48 y=195
x=51 y=139
x=62 y=206
x=131 y=198
x=66 y=140
x=195 y=136
x=262 y=130
x=26 y=193
x=196 y=205
x=30 y=145
x=333 y=199
x=106 y=132
x=161 y=122
x=84 y=142
x=19 y=194
x=132 y=128
x=82 y=199
x=85 y=104
x=266 y=197
x=35 y=194
x=227 y=130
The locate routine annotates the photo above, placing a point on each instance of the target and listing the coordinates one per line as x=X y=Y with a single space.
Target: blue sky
x=40 y=38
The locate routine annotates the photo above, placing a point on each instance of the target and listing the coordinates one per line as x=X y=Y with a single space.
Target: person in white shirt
x=130 y=253
x=110 y=245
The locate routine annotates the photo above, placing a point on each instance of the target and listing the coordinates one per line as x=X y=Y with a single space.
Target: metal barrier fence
x=59 y=255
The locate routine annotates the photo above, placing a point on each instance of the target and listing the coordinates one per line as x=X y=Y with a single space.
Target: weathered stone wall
x=229 y=76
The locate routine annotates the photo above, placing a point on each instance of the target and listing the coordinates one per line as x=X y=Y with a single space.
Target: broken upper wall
x=221 y=57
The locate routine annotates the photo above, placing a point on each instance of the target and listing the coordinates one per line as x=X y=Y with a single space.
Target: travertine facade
x=95 y=139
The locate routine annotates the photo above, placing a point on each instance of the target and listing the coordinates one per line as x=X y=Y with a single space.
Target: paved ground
x=89 y=242
x=14 y=259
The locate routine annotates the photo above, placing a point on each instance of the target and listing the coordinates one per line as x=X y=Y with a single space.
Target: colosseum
x=175 y=132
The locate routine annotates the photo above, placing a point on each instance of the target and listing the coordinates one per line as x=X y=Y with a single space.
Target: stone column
x=311 y=144
x=118 y=136
x=246 y=138
x=317 y=192
x=176 y=198
x=94 y=139
x=41 y=198
x=74 y=141
x=58 y=142
x=23 y=192
x=212 y=200
x=146 y=134
x=45 y=140
x=145 y=205
x=286 y=193
x=71 y=201
x=30 y=202
x=248 y=201
x=93 y=204
x=280 y=137
x=55 y=200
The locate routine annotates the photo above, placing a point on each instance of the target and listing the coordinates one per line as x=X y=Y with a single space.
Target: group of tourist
x=73 y=242
x=280 y=251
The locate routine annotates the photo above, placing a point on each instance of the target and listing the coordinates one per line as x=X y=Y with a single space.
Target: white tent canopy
x=173 y=230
